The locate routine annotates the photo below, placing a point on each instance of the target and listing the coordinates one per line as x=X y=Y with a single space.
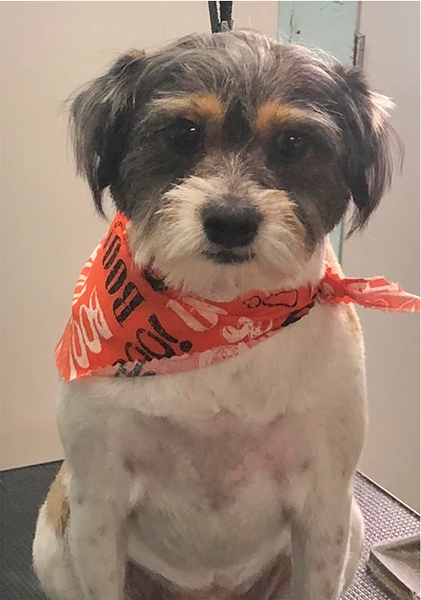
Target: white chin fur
x=222 y=282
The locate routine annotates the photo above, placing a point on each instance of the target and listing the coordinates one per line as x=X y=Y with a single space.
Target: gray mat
x=385 y=519
x=23 y=491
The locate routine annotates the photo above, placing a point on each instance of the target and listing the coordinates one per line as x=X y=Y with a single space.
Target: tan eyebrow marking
x=206 y=108
x=275 y=113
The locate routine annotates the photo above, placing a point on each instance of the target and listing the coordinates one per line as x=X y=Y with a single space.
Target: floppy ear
x=368 y=139
x=101 y=119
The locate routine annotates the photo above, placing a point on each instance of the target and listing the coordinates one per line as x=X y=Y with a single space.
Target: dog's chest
x=223 y=428
x=215 y=435
x=213 y=493
x=219 y=457
x=214 y=456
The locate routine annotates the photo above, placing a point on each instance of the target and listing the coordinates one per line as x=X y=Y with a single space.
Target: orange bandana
x=126 y=322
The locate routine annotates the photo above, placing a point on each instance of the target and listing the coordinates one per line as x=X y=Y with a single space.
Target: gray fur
x=117 y=124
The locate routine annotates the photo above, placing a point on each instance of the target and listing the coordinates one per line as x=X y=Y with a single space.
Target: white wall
x=390 y=247
x=48 y=223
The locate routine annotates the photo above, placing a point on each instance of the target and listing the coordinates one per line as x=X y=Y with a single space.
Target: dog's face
x=233 y=155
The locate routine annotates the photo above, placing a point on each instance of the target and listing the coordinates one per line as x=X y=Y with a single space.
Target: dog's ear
x=101 y=119
x=369 y=139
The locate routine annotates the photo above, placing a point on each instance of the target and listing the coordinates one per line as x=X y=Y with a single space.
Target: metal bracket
x=359 y=50
x=225 y=26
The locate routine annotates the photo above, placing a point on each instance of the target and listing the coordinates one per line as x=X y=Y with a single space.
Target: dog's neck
x=224 y=283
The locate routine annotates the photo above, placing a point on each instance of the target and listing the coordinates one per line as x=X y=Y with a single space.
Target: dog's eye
x=292 y=145
x=184 y=137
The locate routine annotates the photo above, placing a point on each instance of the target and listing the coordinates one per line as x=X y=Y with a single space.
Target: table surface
x=23 y=491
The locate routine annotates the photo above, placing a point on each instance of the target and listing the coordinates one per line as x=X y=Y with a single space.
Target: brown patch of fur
x=57 y=510
x=204 y=109
x=208 y=107
x=273 y=583
x=140 y=583
x=273 y=113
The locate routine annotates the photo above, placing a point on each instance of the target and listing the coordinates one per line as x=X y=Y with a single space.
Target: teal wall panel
x=329 y=26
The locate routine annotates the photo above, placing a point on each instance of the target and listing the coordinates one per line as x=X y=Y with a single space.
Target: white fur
x=300 y=394
x=178 y=243
x=53 y=563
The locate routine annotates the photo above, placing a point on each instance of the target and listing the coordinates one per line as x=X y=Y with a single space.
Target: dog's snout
x=230 y=227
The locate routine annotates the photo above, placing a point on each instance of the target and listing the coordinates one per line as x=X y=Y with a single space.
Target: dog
x=231 y=157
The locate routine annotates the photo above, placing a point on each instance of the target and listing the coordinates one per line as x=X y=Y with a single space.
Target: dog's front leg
x=99 y=494
x=97 y=543
x=320 y=540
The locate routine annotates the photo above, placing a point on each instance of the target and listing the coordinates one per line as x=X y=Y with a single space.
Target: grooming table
x=23 y=491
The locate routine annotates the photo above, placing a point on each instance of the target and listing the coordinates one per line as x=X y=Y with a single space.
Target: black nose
x=230 y=227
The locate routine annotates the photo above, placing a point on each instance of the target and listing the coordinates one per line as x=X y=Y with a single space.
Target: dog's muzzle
x=230 y=228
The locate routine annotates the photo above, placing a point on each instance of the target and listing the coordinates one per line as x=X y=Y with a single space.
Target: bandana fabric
x=126 y=322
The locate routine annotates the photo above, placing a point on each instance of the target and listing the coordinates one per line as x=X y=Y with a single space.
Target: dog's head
x=233 y=155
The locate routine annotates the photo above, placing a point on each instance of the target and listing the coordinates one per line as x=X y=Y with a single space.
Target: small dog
x=232 y=157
